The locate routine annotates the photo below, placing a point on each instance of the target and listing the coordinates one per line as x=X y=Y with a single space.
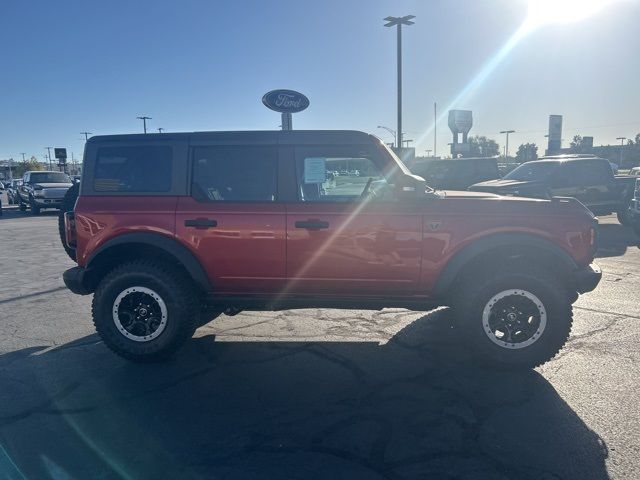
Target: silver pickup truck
x=42 y=190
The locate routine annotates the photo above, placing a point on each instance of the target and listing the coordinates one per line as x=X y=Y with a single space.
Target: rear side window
x=235 y=174
x=139 y=169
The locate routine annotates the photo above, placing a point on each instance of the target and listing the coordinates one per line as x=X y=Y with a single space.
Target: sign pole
x=287 y=121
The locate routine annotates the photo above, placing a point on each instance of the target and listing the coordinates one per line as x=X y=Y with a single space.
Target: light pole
x=506 y=147
x=23 y=154
x=144 y=122
x=391 y=131
x=49 y=155
x=86 y=135
x=398 y=22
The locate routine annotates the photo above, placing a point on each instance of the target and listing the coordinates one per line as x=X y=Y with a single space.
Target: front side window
x=137 y=169
x=537 y=171
x=332 y=176
x=235 y=174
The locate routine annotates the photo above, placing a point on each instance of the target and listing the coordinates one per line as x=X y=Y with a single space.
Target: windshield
x=49 y=177
x=532 y=171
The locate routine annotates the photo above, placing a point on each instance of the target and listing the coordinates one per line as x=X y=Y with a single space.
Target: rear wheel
x=21 y=205
x=515 y=320
x=144 y=311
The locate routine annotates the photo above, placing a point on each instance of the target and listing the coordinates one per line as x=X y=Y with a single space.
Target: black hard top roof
x=246 y=137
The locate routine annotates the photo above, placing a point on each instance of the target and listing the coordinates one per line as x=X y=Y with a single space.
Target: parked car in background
x=635 y=171
x=634 y=209
x=12 y=190
x=42 y=190
x=456 y=173
x=588 y=179
x=169 y=230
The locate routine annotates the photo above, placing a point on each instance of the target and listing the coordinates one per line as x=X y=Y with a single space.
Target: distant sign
x=460 y=121
x=555 y=134
x=285 y=101
x=60 y=153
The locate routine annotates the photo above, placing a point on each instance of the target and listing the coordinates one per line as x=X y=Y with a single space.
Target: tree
x=481 y=146
x=26 y=165
x=526 y=152
x=578 y=144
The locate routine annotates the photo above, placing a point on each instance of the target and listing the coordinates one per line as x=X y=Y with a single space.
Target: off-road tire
x=68 y=204
x=475 y=293
x=35 y=209
x=173 y=287
x=624 y=217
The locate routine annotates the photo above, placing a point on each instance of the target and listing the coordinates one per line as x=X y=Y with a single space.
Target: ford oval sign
x=285 y=101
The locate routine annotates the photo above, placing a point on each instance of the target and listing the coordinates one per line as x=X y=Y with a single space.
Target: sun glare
x=544 y=12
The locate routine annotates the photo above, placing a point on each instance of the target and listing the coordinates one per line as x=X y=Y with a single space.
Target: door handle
x=312 y=224
x=200 y=223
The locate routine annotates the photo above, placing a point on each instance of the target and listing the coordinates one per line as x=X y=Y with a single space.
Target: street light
x=144 y=122
x=506 y=147
x=391 y=131
x=49 y=155
x=398 y=22
x=86 y=135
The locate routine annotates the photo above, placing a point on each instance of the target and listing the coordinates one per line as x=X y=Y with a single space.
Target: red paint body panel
x=99 y=219
x=246 y=252
x=394 y=250
x=366 y=250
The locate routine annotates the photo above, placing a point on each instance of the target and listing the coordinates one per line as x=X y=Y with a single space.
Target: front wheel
x=144 y=311
x=35 y=209
x=515 y=320
x=624 y=217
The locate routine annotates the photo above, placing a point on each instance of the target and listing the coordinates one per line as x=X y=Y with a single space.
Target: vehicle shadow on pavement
x=613 y=240
x=13 y=213
x=415 y=407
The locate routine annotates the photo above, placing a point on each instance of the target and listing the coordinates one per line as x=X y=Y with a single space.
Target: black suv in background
x=589 y=179
x=456 y=173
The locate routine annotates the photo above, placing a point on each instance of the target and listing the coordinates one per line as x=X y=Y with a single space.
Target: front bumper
x=77 y=280
x=587 y=278
x=48 y=202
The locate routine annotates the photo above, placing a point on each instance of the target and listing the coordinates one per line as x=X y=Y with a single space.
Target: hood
x=504 y=184
x=467 y=194
x=53 y=185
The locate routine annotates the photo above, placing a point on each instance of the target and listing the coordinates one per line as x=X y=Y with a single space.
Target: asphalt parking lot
x=309 y=394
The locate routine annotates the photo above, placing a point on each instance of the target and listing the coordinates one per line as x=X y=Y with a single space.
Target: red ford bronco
x=170 y=230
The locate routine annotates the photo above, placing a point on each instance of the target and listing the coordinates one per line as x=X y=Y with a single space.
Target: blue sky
x=72 y=66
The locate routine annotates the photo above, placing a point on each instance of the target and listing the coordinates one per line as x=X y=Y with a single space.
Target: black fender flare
x=170 y=245
x=494 y=241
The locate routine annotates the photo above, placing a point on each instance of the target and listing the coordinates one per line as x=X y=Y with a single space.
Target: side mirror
x=410 y=187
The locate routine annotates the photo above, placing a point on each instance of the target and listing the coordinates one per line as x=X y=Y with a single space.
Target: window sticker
x=315 y=169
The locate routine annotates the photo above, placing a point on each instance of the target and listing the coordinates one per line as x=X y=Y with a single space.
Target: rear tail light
x=593 y=235
x=70 y=229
